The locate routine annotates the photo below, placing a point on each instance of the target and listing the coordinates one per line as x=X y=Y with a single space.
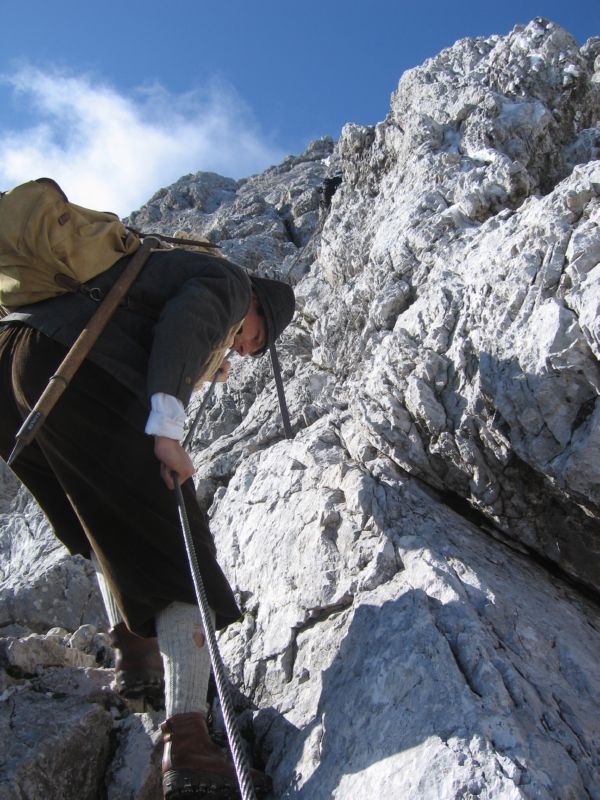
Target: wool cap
x=277 y=303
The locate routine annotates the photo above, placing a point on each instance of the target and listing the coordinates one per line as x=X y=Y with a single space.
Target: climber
x=101 y=468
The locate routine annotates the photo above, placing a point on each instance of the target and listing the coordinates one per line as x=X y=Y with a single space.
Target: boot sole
x=132 y=685
x=187 y=784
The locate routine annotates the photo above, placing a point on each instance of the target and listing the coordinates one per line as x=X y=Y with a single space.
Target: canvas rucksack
x=49 y=246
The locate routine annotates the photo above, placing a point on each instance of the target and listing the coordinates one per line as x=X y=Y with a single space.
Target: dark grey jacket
x=182 y=306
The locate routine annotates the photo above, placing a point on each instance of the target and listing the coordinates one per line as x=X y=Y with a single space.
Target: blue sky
x=117 y=99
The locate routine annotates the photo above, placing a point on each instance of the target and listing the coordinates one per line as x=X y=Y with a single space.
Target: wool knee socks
x=185 y=657
x=182 y=647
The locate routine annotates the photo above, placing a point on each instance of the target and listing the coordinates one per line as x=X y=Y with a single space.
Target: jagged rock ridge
x=419 y=567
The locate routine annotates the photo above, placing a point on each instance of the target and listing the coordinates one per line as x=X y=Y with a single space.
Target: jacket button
x=187 y=380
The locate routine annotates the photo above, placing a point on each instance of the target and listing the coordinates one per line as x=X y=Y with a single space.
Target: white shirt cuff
x=167 y=417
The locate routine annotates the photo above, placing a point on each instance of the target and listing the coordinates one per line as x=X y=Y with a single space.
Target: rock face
x=418 y=568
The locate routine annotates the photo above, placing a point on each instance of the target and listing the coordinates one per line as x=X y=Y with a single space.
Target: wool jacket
x=181 y=308
x=93 y=471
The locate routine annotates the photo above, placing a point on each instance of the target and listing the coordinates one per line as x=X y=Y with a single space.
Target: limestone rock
x=390 y=644
x=455 y=295
x=53 y=747
x=260 y=222
x=26 y=655
x=65 y=734
x=134 y=773
x=41 y=585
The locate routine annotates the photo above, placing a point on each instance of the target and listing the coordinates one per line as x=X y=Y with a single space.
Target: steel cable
x=242 y=768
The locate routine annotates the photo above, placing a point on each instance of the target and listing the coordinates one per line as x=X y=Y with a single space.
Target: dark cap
x=277 y=303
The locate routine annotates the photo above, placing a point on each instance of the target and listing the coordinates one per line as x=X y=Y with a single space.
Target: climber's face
x=252 y=336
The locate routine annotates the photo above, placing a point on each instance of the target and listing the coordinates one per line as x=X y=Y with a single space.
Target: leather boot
x=138 y=666
x=193 y=766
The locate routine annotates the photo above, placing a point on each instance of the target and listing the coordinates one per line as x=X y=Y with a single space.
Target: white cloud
x=112 y=151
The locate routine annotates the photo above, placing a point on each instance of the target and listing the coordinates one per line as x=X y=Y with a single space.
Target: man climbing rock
x=102 y=468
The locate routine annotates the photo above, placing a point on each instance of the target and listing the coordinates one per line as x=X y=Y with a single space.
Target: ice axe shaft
x=80 y=349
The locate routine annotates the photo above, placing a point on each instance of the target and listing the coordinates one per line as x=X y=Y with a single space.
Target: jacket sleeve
x=191 y=324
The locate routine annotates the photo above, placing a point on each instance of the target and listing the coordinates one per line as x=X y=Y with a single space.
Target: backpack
x=49 y=246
